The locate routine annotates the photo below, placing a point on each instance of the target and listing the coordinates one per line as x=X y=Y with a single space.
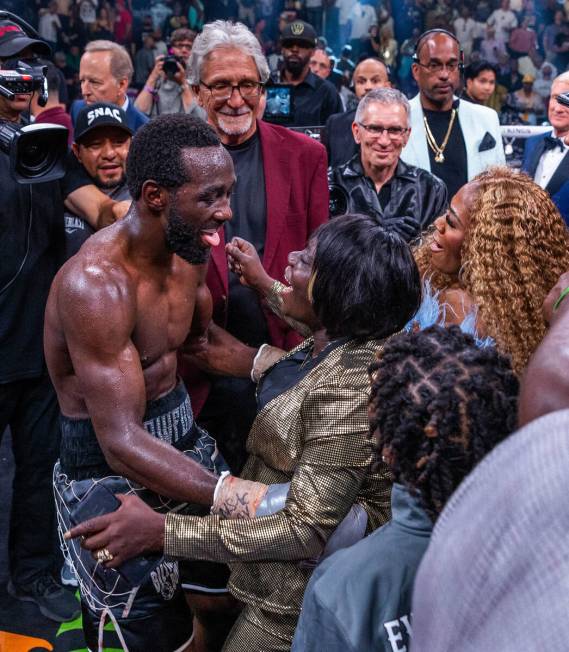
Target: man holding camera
x=32 y=244
x=167 y=89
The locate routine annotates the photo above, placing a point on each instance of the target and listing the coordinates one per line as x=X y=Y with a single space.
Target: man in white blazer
x=454 y=140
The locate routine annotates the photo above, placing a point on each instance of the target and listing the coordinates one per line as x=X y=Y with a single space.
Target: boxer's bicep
x=98 y=317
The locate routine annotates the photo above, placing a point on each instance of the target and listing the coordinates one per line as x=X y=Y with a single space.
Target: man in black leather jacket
x=375 y=181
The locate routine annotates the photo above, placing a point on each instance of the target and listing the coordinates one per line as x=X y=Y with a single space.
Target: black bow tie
x=551 y=143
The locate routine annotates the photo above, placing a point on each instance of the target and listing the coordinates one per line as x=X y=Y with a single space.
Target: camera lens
x=37 y=152
x=170 y=67
x=36 y=156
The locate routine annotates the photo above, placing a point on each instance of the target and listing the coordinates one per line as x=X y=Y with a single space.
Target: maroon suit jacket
x=296 y=189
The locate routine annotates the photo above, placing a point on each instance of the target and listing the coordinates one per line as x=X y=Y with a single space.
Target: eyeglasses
x=434 y=66
x=377 y=130
x=224 y=90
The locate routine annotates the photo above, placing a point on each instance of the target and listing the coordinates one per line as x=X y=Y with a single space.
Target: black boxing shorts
x=152 y=616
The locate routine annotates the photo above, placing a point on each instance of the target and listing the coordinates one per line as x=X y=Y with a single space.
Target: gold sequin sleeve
x=334 y=461
x=275 y=303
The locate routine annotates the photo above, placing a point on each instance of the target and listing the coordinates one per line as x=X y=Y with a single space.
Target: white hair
x=563 y=78
x=382 y=96
x=224 y=34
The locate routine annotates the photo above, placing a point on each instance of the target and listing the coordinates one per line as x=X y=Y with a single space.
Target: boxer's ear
x=156 y=197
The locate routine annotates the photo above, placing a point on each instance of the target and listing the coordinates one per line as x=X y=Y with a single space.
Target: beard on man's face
x=184 y=239
x=110 y=185
x=295 y=64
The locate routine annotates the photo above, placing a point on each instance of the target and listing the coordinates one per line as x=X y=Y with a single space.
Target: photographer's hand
x=180 y=76
x=145 y=98
x=157 y=71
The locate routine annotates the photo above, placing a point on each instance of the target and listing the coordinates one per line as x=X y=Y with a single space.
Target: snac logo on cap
x=99 y=112
x=297 y=28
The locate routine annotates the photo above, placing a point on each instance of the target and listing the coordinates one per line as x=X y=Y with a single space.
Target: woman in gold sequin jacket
x=352 y=287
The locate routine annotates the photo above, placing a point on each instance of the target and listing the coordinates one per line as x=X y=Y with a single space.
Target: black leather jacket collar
x=354 y=168
x=416 y=195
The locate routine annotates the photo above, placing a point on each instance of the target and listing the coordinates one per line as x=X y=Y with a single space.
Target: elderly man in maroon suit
x=280 y=198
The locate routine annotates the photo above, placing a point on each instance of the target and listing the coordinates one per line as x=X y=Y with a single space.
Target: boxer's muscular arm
x=98 y=314
x=212 y=348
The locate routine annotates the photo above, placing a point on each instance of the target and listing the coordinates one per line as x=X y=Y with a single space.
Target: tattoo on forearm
x=236 y=506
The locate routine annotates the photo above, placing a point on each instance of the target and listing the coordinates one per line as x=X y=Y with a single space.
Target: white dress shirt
x=548 y=163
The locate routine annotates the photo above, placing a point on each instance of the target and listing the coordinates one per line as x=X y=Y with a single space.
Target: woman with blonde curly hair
x=495 y=254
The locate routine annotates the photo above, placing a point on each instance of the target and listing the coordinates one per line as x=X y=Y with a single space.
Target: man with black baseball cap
x=13 y=40
x=102 y=143
x=315 y=99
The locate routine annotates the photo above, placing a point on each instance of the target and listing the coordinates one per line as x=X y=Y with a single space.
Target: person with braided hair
x=438 y=405
x=494 y=256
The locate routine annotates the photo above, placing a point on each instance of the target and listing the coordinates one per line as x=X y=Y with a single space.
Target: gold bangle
x=274 y=298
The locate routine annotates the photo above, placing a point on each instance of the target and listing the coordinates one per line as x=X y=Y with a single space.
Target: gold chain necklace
x=438 y=150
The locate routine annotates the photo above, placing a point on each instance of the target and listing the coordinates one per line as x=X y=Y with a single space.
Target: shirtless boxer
x=116 y=314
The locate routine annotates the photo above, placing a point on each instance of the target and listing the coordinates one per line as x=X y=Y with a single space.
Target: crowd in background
x=525 y=41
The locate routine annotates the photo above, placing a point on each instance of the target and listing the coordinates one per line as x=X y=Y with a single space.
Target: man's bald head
x=369 y=74
x=436 y=69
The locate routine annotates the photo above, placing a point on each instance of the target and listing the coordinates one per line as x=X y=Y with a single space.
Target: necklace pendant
x=440 y=158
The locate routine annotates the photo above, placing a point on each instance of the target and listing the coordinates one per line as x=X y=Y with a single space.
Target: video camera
x=36 y=151
x=20 y=78
x=170 y=67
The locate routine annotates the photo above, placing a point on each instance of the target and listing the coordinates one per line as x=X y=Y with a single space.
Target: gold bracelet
x=274 y=298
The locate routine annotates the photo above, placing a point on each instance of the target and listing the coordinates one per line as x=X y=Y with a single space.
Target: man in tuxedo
x=370 y=73
x=452 y=139
x=545 y=155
